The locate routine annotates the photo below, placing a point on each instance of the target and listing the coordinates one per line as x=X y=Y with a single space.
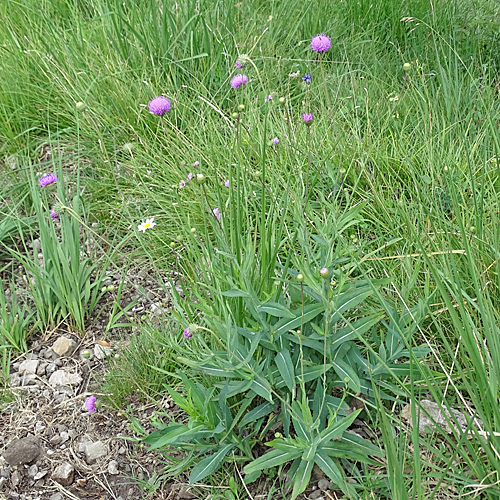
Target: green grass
x=414 y=152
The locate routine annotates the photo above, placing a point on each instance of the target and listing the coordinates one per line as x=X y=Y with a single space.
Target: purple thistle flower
x=307 y=78
x=238 y=64
x=187 y=333
x=238 y=80
x=90 y=404
x=268 y=98
x=182 y=184
x=226 y=183
x=321 y=43
x=47 y=179
x=217 y=214
x=190 y=176
x=275 y=141
x=159 y=105
x=53 y=214
x=307 y=117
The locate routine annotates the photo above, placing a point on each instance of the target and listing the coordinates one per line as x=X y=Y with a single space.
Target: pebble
x=29 y=366
x=22 y=451
x=324 y=484
x=94 y=451
x=113 y=467
x=63 y=378
x=15 y=478
x=33 y=470
x=64 y=346
x=317 y=495
x=64 y=474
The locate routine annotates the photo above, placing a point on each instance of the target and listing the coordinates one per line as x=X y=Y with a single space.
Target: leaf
x=209 y=464
x=302 y=477
x=271 y=459
x=328 y=466
x=284 y=363
x=276 y=309
x=354 y=330
x=259 y=387
x=258 y=412
x=344 y=371
x=335 y=430
x=286 y=324
x=235 y=293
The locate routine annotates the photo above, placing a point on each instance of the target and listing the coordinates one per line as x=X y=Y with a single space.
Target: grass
x=395 y=182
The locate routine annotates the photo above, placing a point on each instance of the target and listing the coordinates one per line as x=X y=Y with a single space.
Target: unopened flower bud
x=300 y=277
x=200 y=178
x=80 y=106
x=241 y=107
x=324 y=272
x=407 y=66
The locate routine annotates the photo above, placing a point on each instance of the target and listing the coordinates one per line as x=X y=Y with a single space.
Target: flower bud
x=324 y=272
x=407 y=66
x=200 y=178
x=241 y=107
x=300 y=277
x=80 y=106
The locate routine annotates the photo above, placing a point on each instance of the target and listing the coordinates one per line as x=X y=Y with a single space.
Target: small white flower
x=146 y=225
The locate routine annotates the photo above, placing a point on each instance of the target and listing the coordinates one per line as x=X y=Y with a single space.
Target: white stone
x=95 y=451
x=64 y=474
x=61 y=377
x=29 y=366
x=101 y=351
x=64 y=346
x=113 y=467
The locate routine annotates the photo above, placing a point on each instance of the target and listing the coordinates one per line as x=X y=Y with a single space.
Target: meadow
x=314 y=186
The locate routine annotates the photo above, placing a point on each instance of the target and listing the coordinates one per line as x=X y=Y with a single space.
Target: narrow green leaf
x=286 y=324
x=235 y=293
x=284 y=363
x=258 y=412
x=276 y=309
x=345 y=371
x=272 y=459
x=302 y=477
x=209 y=464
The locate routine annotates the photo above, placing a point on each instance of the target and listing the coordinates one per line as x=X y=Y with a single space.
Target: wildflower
x=182 y=184
x=146 y=225
x=241 y=62
x=190 y=176
x=324 y=272
x=217 y=214
x=307 y=117
x=53 y=214
x=320 y=43
x=268 y=98
x=226 y=183
x=282 y=100
x=187 y=333
x=47 y=179
x=307 y=78
x=238 y=64
x=294 y=75
x=159 y=105
x=275 y=141
x=407 y=66
x=90 y=404
x=238 y=80
x=196 y=163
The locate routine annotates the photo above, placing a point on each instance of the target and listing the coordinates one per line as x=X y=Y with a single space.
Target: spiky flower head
x=53 y=214
x=321 y=43
x=187 y=333
x=307 y=117
x=47 y=179
x=90 y=404
x=159 y=105
x=238 y=80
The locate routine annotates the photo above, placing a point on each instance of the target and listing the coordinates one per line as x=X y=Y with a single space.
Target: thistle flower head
x=321 y=43
x=47 y=179
x=53 y=214
x=187 y=333
x=307 y=117
x=159 y=105
x=238 y=80
x=90 y=404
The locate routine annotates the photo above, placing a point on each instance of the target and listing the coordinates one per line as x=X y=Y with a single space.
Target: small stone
x=317 y=495
x=55 y=440
x=33 y=470
x=113 y=467
x=5 y=473
x=72 y=434
x=62 y=377
x=323 y=484
x=95 y=451
x=51 y=368
x=15 y=478
x=40 y=474
x=39 y=427
x=3 y=480
x=56 y=496
x=101 y=351
x=185 y=494
x=121 y=450
x=22 y=451
x=64 y=474
x=29 y=366
x=64 y=436
x=41 y=368
x=64 y=346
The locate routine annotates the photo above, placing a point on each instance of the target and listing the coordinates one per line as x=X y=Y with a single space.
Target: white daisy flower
x=146 y=225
